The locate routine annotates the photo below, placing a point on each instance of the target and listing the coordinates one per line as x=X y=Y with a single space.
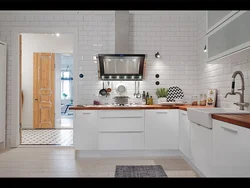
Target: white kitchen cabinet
x=3 y=91
x=201 y=148
x=215 y=18
x=161 y=129
x=121 y=140
x=231 y=150
x=85 y=130
x=121 y=130
x=184 y=134
x=229 y=39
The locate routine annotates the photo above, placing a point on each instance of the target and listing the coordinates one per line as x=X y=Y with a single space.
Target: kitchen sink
x=202 y=116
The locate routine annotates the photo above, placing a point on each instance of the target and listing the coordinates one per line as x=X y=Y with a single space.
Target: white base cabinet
x=121 y=130
x=85 y=130
x=231 y=150
x=201 y=148
x=161 y=129
x=184 y=134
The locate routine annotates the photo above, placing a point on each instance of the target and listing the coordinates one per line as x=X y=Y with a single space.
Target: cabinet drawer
x=121 y=141
x=120 y=113
x=121 y=124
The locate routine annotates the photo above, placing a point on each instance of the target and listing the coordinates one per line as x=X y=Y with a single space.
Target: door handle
x=229 y=129
x=161 y=112
x=36 y=99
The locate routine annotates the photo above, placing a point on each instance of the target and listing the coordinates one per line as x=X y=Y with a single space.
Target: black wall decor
x=157 y=83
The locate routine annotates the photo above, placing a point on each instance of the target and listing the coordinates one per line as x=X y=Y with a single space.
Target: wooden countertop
x=242 y=120
x=141 y=107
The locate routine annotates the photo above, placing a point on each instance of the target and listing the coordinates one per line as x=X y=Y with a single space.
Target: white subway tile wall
x=178 y=36
x=219 y=76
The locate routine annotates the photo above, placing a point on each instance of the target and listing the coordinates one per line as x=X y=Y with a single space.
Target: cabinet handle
x=161 y=112
x=86 y=113
x=183 y=114
x=229 y=129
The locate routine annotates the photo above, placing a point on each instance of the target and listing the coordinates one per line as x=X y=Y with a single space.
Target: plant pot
x=162 y=99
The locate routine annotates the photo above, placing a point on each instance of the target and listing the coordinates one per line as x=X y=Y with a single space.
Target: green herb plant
x=161 y=92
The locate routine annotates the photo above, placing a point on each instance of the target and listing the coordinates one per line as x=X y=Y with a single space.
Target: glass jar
x=203 y=99
x=194 y=100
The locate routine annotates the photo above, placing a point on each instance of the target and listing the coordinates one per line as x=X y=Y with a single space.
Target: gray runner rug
x=140 y=171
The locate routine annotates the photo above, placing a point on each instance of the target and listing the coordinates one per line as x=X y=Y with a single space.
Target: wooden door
x=43 y=90
x=20 y=86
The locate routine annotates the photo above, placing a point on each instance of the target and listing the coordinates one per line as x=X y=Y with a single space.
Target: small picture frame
x=211 y=97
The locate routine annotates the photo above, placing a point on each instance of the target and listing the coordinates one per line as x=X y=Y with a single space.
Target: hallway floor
x=61 y=137
x=60 y=162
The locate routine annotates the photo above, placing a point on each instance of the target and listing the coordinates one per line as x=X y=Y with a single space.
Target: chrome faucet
x=241 y=104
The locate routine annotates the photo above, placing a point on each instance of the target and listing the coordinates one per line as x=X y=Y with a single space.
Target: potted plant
x=162 y=94
x=64 y=95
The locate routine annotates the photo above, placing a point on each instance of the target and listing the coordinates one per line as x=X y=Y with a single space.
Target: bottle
x=144 y=98
x=147 y=98
x=151 y=100
x=194 y=100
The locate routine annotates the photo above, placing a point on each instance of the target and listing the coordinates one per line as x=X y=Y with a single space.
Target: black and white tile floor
x=62 y=137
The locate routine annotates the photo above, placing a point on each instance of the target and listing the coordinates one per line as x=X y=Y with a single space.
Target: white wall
x=58 y=90
x=38 y=43
x=219 y=76
x=171 y=33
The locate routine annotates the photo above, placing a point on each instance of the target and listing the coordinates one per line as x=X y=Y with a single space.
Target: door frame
x=15 y=77
x=3 y=145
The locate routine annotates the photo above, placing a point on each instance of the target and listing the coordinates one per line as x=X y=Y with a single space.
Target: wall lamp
x=157 y=55
x=205 y=48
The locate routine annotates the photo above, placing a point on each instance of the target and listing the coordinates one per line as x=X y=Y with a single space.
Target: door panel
x=43 y=85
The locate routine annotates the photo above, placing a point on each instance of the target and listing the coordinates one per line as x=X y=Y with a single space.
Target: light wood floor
x=60 y=162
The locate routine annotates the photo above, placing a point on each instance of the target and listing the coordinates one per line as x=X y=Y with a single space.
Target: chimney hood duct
x=121 y=65
x=121 y=32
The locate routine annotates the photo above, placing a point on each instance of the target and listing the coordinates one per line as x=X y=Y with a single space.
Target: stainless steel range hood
x=121 y=65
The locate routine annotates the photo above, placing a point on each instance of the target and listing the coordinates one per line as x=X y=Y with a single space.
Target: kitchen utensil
x=138 y=95
x=174 y=93
x=121 y=89
x=103 y=91
x=109 y=88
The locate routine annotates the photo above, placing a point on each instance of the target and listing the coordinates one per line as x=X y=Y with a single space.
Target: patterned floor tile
x=63 y=137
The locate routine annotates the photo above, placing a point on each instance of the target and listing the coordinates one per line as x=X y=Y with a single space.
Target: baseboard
x=200 y=174
x=2 y=145
x=125 y=153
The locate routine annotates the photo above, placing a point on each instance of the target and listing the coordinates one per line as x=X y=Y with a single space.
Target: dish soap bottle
x=144 y=98
x=151 y=100
x=147 y=99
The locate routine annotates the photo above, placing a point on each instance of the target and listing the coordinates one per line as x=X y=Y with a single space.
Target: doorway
x=42 y=72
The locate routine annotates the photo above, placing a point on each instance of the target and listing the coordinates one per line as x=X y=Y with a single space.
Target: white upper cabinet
x=230 y=39
x=215 y=18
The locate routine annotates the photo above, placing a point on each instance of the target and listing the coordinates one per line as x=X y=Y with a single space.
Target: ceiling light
x=205 y=48
x=57 y=34
x=52 y=34
x=157 y=55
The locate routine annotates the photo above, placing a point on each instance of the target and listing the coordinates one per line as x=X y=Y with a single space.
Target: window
x=65 y=85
